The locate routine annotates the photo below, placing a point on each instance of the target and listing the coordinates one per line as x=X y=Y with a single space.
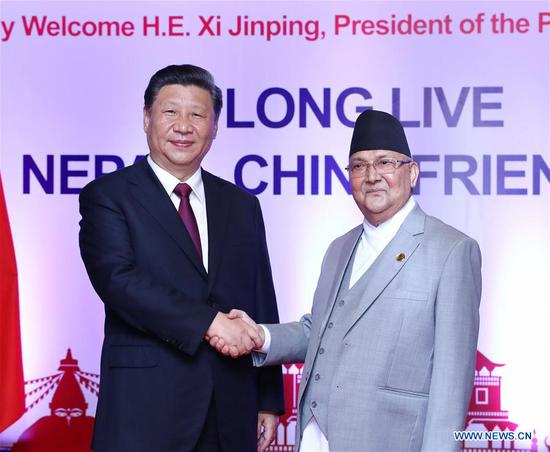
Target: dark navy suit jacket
x=158 y=375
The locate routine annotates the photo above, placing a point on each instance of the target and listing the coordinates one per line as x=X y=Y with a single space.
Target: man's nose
x=182 y=125
x=371 y=174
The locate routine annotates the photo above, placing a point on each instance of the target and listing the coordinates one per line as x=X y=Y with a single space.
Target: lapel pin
x=400 y=257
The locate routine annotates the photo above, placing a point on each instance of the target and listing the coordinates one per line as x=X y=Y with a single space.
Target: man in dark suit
x=170 y=248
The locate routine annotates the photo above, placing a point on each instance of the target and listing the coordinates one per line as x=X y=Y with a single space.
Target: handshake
x=235 y=334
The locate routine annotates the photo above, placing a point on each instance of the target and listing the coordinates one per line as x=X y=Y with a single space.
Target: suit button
x=330 y=324
x=342 y=302
x=317 y=377
x=314 y=404
x=321 y=351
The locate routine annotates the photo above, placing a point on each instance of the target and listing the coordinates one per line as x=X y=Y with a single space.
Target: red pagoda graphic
x=67 y=428
x=485 y=409
x=284 y=441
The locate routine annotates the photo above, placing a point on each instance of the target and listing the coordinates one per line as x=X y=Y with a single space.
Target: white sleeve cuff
x=259 y=356
x=267 y=341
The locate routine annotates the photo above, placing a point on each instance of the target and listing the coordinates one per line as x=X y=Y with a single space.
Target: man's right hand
x=234 y=335
x=238 y=314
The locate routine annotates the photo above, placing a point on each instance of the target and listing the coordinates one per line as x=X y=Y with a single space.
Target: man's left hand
x=267 y=428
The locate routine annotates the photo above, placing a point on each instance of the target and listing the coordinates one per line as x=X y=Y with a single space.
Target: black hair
x=185 y=75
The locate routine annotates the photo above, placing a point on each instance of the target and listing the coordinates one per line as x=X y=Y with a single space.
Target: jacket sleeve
x=290 y=341
x=125 y=288
x=455 y=345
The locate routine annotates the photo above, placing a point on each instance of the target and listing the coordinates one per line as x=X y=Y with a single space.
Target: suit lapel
x=340 y=268
x=217 y=212
x=149 y=192
x=387 y=265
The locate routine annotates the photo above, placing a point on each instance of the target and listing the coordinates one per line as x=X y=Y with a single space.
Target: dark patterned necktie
x=187 y=215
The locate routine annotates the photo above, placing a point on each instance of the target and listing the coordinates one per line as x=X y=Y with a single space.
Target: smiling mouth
x=181 y=143
x=374 y=190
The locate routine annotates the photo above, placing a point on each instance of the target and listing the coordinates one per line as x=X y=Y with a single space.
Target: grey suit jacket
x=404 y=372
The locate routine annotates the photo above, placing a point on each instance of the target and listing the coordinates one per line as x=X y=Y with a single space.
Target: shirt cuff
x=267 y=341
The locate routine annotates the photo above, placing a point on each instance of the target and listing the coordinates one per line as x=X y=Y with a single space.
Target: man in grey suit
x=390 y=344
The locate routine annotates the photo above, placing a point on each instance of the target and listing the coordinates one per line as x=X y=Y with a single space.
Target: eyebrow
x=175 y=103
x=359 y=159
x=169 y=103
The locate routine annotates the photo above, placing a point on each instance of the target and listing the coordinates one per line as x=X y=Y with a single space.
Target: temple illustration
x=284 y=442
x=486 y=411
x=68 y=427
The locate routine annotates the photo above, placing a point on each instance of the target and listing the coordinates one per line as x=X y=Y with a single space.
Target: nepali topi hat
x=378 y=130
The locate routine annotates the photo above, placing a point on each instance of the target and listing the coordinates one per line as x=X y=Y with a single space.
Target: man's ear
x=215 y=130
x=146 y=119
x=413 y=174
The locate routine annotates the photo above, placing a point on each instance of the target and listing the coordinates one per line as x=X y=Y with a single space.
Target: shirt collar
x=387 y=230
x=169 y=181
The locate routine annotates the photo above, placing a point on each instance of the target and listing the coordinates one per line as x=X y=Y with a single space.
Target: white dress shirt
x=373 y=240
x=196 y=199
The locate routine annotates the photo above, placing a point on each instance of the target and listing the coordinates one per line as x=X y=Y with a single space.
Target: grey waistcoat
x=316 y=395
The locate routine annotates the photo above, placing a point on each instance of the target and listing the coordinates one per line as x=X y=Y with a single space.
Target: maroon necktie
x=187 y=215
